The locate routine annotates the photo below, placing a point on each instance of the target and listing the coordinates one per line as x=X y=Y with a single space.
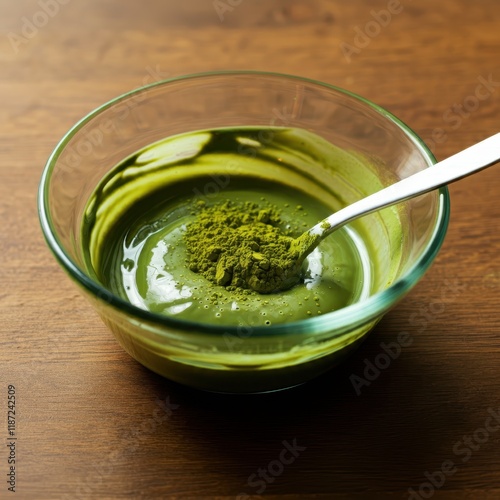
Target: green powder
x=241 y=246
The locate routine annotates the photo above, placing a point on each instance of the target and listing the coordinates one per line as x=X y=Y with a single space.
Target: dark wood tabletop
x=87 y=421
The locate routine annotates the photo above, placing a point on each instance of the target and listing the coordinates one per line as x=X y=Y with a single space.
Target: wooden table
x=87 y=423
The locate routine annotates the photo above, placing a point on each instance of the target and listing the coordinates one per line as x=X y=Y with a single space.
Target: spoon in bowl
x=465 y=163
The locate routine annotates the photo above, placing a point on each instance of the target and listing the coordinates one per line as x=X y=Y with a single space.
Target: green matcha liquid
x=137 y=218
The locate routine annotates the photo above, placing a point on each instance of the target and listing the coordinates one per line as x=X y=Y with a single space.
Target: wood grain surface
x=86 y=412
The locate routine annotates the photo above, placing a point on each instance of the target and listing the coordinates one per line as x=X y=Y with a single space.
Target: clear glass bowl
x=235 y=359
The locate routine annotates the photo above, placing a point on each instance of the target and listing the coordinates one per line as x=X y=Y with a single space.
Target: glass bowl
x=249 y=359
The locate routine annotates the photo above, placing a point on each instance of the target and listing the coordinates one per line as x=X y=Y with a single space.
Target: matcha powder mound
x=240 y=246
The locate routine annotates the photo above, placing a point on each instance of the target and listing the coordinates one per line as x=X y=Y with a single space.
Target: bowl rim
x=354 y=315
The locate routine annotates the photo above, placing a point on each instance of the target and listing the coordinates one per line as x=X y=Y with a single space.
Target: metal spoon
x=467 y=162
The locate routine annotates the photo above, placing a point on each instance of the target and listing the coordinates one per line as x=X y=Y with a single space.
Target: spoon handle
x=467 y=162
